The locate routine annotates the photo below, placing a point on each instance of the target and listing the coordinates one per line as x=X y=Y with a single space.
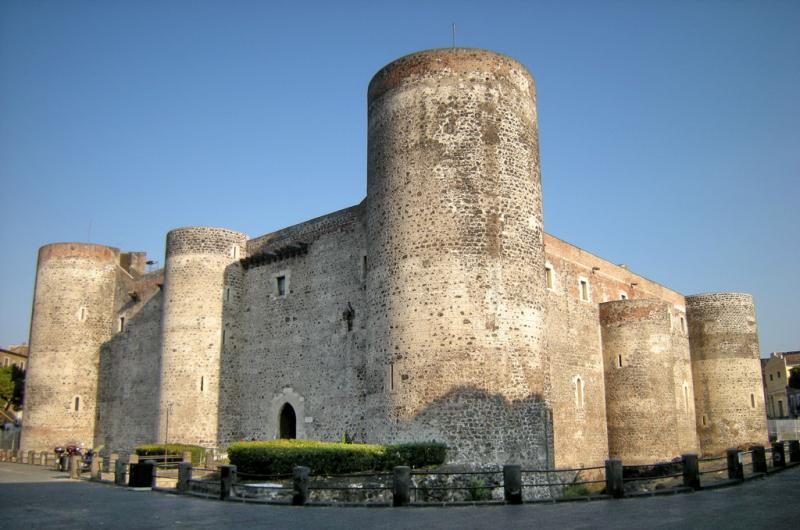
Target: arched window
x=288 y=422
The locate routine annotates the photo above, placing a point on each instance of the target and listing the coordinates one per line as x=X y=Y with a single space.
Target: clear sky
x=670 y=131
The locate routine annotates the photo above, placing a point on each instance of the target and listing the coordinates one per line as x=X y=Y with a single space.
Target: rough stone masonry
x=437 y=309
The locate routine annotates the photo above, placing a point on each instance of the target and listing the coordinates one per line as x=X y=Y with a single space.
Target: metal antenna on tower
x=454 y=34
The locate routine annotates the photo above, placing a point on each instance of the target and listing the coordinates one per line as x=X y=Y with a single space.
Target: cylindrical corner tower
x=193 y=333
x=456 y=256
x=73 y=311
x=729 y=394
x=649 y=393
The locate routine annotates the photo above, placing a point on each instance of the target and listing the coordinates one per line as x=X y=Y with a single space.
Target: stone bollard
x=401 y=486
x=32 y=457
x=778 y=454
x=113 y=458
x=614 y=484
x=75 y=465
x=300 y=485
x=133 y=459
x=184 y=476
x=2 y=455
x=759 y=459
x=208 y=457
x=735 y=467
x=43 y=458
x=187 y=456
x=120 y=468
x=512 y=483
x=227 y=477
x=794 y=451
x=14 y=455
x=95 y=470
x=691 y=471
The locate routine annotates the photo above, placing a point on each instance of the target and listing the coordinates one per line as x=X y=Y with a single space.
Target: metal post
x=184 y=476
x=300 y=485
x=794 y=451
x=691 y=471
x=778 y=455
x=401 y=486
x=512 y=483
x=227 y=476
x=759 y=459
x=614 y=484
x=735 y=468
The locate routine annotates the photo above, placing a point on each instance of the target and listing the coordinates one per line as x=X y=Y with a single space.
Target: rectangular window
x=227 y=294
x=779 y=375
x=780 y=408
x=280 y=285
x=770 y=377
x=121 y=324
x=548 y=277
x=584 y=290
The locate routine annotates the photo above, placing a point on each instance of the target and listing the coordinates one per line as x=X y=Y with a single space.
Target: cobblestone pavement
x=33 y=497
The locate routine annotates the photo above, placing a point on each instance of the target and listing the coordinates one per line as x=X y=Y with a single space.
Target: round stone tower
x=649 y=393
x=73 y=312
x=729 y=396
x=455 y=257
x=198 y=259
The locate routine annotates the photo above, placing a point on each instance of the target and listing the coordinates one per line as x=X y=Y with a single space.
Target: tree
x=794 y=377
x=12 y=386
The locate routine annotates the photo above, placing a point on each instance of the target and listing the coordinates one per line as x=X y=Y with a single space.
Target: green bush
x=158 y=450
x=278 y=457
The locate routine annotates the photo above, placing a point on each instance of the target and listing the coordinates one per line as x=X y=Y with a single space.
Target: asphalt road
x=32 y=497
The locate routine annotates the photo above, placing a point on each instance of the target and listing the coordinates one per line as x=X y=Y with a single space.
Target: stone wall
x=456 y=297
x=198 y=260
x=729 y=395
x=648 y=382
x=127 y=410
x=73 y=309
x=296 y=348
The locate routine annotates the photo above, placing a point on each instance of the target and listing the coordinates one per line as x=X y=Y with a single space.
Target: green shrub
x=576 y=490
x=158 y=450
x=477 y=490
x=278 y=457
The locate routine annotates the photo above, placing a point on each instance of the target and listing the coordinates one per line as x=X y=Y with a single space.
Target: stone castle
x=436 y=309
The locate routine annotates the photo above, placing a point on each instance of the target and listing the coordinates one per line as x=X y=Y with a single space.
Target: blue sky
x=669 y=130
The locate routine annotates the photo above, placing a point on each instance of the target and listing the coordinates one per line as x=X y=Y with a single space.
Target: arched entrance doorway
x=288 y=422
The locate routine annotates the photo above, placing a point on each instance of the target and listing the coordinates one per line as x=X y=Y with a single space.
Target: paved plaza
x=34 y=497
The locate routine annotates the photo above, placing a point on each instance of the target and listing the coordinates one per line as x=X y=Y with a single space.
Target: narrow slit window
x=82 y=314
x=363 y=267
x=623 y=296
x=121 y=324
x=548 y=277
x=77 y=403
x=227 y=294
x=224 y=336
x=202 y=383
x=704 y=420
x=619 y=360
x=752 y=401
x=683 y=325
x=685 y=397
x=280 y=285
x=579 y=392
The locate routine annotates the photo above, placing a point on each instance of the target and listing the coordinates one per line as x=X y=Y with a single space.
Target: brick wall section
x=649 y=397
x=73 y=309
x=455 y=291
x=727 y=371
x=192 y=330
x=296 y=348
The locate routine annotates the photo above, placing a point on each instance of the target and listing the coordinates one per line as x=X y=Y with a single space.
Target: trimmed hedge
x=278 y=457
x=157 y=450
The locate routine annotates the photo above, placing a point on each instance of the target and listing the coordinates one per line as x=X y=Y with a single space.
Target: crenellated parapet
x=729 y=395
